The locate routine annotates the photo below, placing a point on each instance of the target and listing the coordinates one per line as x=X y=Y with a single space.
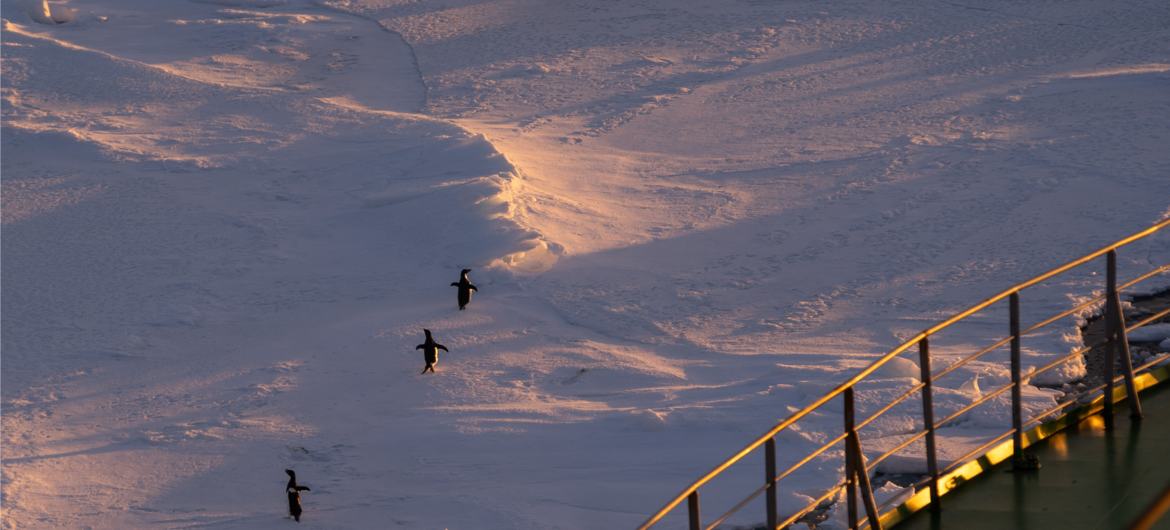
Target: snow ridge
x=226 y=222
x=127 y=135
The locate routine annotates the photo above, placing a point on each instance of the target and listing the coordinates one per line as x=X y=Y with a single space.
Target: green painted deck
x=1089 y=478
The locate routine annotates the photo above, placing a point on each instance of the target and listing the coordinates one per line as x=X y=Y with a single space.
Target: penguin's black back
x=294 y=495
x=465 y=288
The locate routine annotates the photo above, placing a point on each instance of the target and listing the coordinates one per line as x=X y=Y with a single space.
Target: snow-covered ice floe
x=225 y=224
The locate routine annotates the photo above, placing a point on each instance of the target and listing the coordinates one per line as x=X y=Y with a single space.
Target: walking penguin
x=430 y=350
x=465 y=288
x=294 y=495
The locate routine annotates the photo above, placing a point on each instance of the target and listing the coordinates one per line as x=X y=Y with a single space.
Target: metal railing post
x=928 y=419
x=1118 y=340
x=866 y=489
x=850 y=472
x=693 y=510
x=1017 y=421
x=770 y=476
x=857 y=477
x=1107 y=369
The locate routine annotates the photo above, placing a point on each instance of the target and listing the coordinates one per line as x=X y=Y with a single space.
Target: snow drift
x=225 y=224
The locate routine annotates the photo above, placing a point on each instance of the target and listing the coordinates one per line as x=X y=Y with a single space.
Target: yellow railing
x=856 y=469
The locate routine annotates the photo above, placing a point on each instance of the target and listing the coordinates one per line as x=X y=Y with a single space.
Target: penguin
x=430 y=350
x=465 y=289
x=294 y=495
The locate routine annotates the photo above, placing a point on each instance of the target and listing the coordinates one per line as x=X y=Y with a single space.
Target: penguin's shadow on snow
x=110 y=448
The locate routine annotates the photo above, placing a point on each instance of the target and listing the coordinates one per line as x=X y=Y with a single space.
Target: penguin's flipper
x=420 y=346
x=303 y=488
x=441 y=347
x=454 y=284
x=473 y=287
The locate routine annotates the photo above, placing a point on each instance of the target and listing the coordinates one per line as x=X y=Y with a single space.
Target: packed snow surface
x=226 y=223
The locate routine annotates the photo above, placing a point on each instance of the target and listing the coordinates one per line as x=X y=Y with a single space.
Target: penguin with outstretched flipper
x=294 y=495
x=465 y=289
x=430 y=350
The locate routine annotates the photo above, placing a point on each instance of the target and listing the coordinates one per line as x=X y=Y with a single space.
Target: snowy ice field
x=226 y=222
